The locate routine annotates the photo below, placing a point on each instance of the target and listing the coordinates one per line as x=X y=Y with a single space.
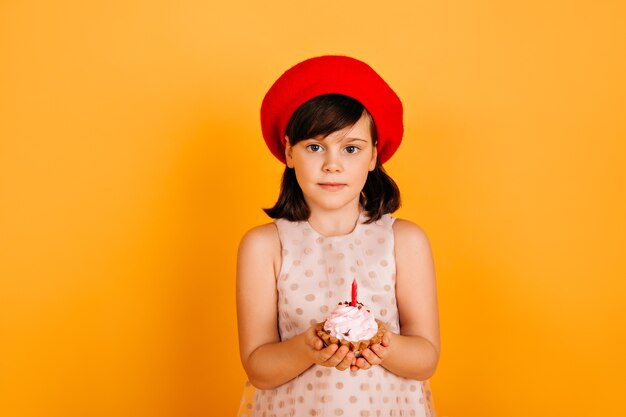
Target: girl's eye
x=314 y=147
x=352 y=149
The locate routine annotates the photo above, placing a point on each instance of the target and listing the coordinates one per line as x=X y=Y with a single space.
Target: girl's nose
x=331 y=163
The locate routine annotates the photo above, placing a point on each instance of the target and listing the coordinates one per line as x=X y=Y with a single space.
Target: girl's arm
x=414 y=352
x=268 y=361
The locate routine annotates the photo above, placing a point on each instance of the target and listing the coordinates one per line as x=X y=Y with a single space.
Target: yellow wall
x=131 y=162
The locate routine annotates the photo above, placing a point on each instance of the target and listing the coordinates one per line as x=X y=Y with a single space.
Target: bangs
x=324 y=115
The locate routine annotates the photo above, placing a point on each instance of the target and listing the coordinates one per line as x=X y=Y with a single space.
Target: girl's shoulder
x=264 y=235
x=413 y=254
x=409 y=233
x=261 y=245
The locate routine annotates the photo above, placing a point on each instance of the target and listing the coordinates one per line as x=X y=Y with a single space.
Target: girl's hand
x=374 y=355
x=331 y=356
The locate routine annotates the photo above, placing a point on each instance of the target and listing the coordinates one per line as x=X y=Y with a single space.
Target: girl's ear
x=374 y=157
x=288 y=153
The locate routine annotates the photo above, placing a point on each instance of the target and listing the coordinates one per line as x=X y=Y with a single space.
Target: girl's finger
x=386 y=339
x=318 y=344
x=346 y=362
x=312 y=340
x=325 y=354
x=363 y=363
x=338 y=356
x=380 y=351
x=370 y=357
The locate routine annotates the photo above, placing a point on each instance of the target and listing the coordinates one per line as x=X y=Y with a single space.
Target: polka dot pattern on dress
x=316 y=274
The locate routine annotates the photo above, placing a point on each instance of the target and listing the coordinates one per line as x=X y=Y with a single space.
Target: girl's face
x=332 y=170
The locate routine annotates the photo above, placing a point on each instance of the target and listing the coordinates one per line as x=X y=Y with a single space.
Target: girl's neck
x=336 y=222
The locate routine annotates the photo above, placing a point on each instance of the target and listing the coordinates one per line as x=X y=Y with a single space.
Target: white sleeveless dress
x=316 y=275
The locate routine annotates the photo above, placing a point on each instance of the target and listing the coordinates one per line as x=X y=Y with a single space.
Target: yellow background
x=131 y=162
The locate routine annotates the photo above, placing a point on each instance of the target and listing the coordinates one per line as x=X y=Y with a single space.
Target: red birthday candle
x=353 y=303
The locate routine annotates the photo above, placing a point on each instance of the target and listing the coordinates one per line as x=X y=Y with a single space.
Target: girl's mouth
x=331 y=186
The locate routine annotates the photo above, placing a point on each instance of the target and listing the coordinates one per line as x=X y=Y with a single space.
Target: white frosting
x=351 y=323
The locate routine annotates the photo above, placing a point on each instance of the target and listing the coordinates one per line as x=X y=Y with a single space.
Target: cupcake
x=351 y=324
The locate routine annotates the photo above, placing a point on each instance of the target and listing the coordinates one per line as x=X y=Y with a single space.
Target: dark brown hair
x=322 y=116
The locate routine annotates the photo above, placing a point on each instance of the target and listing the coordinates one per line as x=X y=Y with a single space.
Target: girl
x=333 y=121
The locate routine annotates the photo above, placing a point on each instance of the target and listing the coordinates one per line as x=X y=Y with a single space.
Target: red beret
x=332 y=74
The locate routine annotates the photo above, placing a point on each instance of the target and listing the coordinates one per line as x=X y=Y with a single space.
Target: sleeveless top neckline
x=361 y=219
